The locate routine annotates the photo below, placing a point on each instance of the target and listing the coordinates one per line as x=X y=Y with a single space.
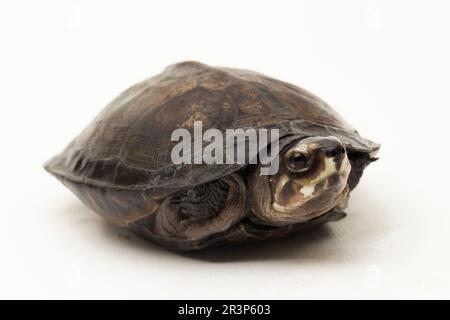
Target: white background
x=384 y=65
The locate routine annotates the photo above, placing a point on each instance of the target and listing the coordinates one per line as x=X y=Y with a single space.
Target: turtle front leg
x=190 y=218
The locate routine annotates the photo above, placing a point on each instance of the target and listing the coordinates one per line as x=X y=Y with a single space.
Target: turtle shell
x=128 y=145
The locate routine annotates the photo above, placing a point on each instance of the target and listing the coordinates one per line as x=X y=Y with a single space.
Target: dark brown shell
x=120 y=165
x=128 y=145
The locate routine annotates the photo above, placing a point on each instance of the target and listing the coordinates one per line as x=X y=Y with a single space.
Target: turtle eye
x=297 y=161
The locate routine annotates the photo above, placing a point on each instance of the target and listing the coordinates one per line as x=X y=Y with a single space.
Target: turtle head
x=311 y=180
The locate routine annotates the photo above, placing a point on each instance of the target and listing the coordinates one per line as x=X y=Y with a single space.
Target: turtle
x=121 y=164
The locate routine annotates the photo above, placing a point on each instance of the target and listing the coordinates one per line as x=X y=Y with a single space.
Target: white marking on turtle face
x=330 y=168
x=308 y=190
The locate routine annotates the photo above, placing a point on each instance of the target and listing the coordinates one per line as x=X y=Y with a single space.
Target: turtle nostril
x=334 y=152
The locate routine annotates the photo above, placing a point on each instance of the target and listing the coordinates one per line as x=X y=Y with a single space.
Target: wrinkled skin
x=120 y=164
